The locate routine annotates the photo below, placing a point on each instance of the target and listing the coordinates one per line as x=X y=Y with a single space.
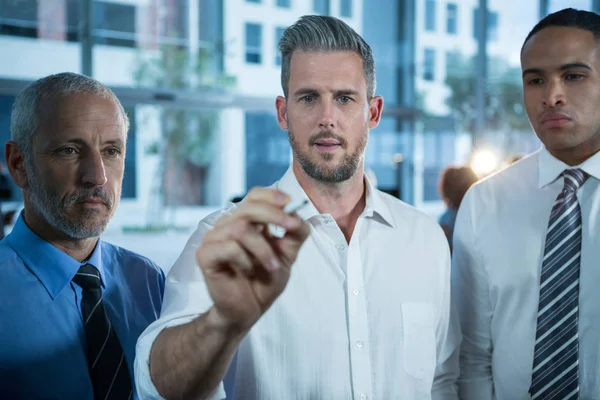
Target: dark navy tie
x=106 y=361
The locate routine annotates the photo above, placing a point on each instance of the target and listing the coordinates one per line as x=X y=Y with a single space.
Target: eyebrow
x=341 y=92
x=563 y=67
x=115 y=142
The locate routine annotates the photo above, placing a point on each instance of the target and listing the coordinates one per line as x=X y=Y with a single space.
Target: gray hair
x=24 y=121
x=318 y=33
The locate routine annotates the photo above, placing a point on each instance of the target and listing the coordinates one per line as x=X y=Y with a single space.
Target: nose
x=555 y=95
x=93 y=171
x=326 y=119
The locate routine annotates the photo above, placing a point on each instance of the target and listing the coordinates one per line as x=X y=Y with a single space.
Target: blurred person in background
x=5 y=194
x=366 y=309
x=454 y=183
x=71 y=305
x=527 y=239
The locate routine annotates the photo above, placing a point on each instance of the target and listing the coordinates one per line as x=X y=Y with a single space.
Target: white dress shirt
x=369 y=319
x=499 y=241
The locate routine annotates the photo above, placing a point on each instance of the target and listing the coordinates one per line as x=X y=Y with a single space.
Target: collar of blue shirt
x=53 y=267
x=375 y=205
x=550 y=167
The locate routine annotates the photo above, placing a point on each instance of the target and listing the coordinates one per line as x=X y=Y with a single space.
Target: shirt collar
x=550 y=167
x=53 y=267
x=374 y=203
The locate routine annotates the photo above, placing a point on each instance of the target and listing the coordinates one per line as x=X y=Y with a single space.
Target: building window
x=253 y=43
x=346 y=8
x=451 y=18
x=210 y=32
x=267 y=149
x=321 y=7
x=129 y=185
x=430 y=15
x=278 y=35
x=19 y=18
x=492 y=25
x=429 y=65
x=114 y=24
x=453 y=63
x=284 y=3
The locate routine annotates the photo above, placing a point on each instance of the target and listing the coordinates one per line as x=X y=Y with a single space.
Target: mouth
x=555 y=121
x=93 y=202
x=327 y=145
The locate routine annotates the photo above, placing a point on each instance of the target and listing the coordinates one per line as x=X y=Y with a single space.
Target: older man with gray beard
x=72 y=305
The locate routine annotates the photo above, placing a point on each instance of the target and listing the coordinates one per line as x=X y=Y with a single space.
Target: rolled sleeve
x=186 y=297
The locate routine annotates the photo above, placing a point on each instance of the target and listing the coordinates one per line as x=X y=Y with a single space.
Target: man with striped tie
x=527 y=240
x=72 y=306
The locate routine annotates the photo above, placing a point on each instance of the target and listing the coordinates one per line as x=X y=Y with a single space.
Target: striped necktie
x=106 y=361
x=556 y=356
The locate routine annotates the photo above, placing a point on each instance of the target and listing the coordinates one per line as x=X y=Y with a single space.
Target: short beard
x=341 y=173
x=46 y=203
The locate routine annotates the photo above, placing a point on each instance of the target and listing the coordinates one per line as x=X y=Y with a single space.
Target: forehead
x=558 y=45
x=326 y=67
x=81 y=115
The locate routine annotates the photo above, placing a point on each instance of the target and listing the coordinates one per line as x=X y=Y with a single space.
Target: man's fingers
x=215 y=254
x=250 y=238
x=267 y=195
x=300 y=232
x=257 y=245
x=256 y=213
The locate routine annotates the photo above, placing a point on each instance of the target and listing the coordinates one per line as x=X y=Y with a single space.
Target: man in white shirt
x=366 y=311
x=527 y=240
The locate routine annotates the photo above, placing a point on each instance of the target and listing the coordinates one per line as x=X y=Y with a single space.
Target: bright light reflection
x=484 y=161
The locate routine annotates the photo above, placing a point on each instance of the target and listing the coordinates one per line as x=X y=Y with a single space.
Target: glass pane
x=278 y=35
x=180 y=154
x=385 y=145
x=451 y=18
x=429 y=64
x=557 y=5
x=508 y=130
x=253 y=43
x=34 y=38
x=253 y=35
x=430 y=12
x=321 y=7
x=346 y=8
x=268 y=152
x=446 y=86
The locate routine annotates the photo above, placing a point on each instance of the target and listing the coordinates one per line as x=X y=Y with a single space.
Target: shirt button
x=340 y=247
x=363 y=397
x=358 y=343
x=356 y=292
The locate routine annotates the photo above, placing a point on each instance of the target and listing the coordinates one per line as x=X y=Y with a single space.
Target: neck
x=576 y=155
x=344 y=201
x=79 y=249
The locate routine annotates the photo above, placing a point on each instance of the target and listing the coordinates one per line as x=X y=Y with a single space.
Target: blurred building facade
x=199 y=80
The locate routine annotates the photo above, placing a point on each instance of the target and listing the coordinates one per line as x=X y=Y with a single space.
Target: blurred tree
x=185 y=148
x=504 y=102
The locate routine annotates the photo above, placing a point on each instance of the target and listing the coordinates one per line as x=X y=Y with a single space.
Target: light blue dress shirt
x=42 y=337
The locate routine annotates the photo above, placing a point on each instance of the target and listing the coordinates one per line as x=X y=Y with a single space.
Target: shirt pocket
x=419 y=345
